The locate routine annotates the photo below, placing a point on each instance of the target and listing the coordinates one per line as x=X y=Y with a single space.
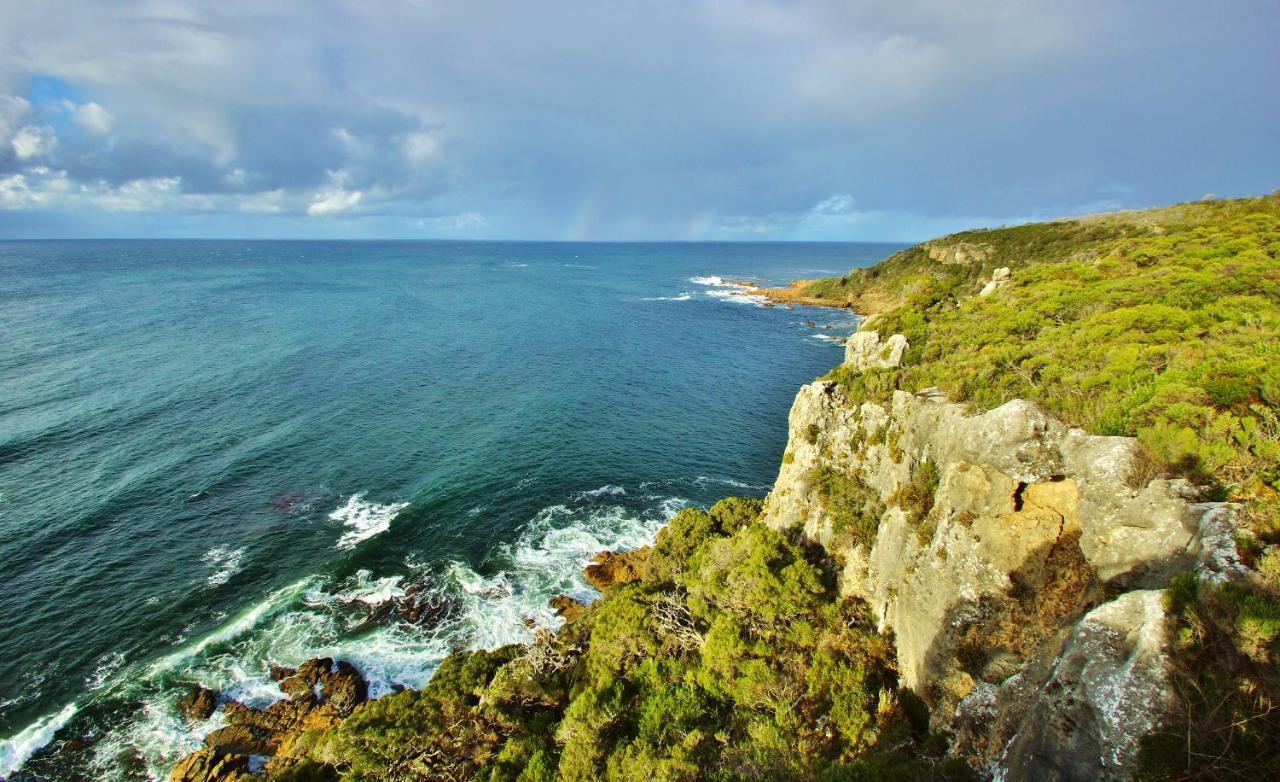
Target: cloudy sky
x=726 y=119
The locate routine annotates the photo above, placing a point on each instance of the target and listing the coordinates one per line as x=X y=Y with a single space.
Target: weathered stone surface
x=610 y=568
x=1107 y=689
x=1033 y=523
x=567 y=607
x=199 y=704
x=208 y=765
x=957 y=253
x=865 y=350
x=321 y=693
x=1000 y=278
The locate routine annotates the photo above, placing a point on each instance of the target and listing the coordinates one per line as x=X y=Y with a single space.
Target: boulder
x=567 y=607
x=321 y=693
x=207 y=765
x=198 y=704
x=610 y=568
x=864 y=350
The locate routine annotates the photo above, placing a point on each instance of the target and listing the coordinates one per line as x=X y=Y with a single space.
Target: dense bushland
x=732 y=659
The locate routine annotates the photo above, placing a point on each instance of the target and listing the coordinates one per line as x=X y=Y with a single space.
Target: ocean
x=219 y=455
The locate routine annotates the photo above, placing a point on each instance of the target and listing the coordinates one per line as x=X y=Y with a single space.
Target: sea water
x=219 y=455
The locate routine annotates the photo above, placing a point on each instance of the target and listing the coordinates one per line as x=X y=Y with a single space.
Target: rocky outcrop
x=567 y=607
x=1016 y=560
x=610 y=568
x=957 y=253
x=321 y=693
x=198 y=704
x=864 y=350
x=1000 y=278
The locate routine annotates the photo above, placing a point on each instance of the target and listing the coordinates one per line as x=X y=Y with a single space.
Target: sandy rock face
x=1032 y=526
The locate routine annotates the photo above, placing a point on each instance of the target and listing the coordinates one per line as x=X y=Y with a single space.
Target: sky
x=855 y=120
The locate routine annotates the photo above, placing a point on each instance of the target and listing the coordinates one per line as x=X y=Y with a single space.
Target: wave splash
x=361 y=618
x=15 y=751
x=363 y=519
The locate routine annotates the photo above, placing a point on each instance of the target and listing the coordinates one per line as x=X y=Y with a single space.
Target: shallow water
x=218 y=455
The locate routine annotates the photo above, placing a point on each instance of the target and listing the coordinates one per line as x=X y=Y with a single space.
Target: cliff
x=1027 y=530
x=1020 y=578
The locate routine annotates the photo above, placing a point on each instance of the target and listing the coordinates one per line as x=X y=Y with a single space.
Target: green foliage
x=915 y=497
x=733 y=513
x=853 y=507
x=1224 y=641
x=1162 y=325
x=677 y=541
x=738 y=662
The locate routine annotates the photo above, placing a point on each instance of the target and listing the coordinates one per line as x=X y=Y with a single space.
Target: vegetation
x=733 y=659
x=1225 y=641
x=853 y=508
x=1161 y=325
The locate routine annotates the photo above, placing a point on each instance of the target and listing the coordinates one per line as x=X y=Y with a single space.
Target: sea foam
x=26 y=742
x=363 y=519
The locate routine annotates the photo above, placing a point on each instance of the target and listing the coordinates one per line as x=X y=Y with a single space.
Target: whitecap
x=740 y=295
x=608 y=490
x=22 y=745
x=706 y=480
x=828 y=338
x=226 y=563
x=105 y=669
x=363 y=519
x=682 y=297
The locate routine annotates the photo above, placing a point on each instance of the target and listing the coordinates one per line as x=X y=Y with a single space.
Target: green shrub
x=853 y=507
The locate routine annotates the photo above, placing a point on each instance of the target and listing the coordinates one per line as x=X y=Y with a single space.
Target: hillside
x=1028 y=529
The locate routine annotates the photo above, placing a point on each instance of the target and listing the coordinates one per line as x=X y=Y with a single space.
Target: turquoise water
x=218 y=455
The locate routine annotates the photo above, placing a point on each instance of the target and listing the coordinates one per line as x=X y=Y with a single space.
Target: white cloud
x=333 y=201
x=93 y=118
x=842 y=203
x=33 y=142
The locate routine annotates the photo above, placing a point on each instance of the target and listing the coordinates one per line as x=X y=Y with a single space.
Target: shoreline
x=793 y=294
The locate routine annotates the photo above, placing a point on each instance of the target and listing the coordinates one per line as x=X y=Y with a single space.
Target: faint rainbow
x=582 y=226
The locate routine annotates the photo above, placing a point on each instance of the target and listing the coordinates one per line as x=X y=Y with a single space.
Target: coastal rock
x=1031 y=526
x=209 y=765
x=1107 y=689
x=1000 y=278
x=957 y=253
x=321 y=693
x=864 y=350
x=199 y=704
x=567 y=607
x=610 y=568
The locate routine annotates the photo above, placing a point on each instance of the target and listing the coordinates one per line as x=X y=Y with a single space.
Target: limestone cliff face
x=1024 y=594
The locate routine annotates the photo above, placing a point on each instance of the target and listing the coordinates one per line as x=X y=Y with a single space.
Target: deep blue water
x=217 y=455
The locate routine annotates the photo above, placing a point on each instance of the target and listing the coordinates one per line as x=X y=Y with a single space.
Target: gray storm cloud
x=727 y=119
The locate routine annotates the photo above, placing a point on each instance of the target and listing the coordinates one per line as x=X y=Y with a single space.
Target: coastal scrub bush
x=853 y=507
x=733 y=513
x=1224 y=643
x=741 y=662
x=1162 y=325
